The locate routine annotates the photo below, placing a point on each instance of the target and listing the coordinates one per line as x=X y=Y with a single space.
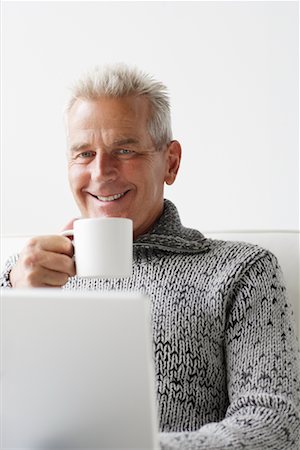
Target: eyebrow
x=125 y=141
x=78 y=147
x=118 y=142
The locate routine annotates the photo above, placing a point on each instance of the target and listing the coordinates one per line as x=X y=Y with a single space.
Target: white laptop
x=76 y=371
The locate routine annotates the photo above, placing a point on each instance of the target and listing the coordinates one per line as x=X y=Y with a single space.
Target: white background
x=232 y=72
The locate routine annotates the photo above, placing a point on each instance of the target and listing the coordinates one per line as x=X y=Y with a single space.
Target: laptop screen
x=77 y=370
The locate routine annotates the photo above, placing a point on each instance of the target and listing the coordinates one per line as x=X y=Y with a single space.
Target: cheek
x=77 y=176
x=152 y=173
x=158 y=175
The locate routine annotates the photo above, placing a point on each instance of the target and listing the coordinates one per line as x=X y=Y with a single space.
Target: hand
x=46 y=261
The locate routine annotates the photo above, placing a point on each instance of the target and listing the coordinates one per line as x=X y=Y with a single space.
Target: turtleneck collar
x=168 y=234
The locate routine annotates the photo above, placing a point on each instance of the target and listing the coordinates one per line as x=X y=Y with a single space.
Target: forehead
x=106 y=113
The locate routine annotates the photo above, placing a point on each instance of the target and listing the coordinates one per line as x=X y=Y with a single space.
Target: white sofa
x=284 y=244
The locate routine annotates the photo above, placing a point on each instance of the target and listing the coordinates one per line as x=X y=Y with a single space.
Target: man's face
x=114 y=168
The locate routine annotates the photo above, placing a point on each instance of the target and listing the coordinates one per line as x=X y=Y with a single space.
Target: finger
x=57 y=262
x=55 y=279
x=52 y=243
x=45 y=278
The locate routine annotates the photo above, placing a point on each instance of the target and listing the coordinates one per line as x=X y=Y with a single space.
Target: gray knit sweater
x=226 y=357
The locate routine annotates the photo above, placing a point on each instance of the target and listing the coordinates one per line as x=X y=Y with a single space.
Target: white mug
x=103 y=247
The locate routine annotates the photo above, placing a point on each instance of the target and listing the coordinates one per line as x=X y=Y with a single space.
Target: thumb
x=69 y=225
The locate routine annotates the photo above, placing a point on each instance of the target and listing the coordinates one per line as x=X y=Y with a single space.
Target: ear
x=173 y=161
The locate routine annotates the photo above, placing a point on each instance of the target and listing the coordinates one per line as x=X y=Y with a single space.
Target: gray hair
x=120 y=80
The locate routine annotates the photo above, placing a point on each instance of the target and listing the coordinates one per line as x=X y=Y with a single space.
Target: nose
x=104 y=168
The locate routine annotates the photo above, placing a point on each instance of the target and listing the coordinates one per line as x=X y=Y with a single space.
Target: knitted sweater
x=226 y=357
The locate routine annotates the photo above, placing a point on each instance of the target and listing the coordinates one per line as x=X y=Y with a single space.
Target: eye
x=124 y=152
x=86 y=154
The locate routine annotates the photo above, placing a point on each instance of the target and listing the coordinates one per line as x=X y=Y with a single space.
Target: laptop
x=76 y=371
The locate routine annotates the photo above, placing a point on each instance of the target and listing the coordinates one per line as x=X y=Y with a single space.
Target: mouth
x=110 y=198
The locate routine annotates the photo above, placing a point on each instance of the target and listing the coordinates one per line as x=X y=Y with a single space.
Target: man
x=225 y=349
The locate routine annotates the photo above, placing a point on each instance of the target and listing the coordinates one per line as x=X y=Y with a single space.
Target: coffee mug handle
x=69 y=233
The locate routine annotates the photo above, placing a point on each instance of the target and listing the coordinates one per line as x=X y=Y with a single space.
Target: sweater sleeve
x=5 y=273
x=262 y=364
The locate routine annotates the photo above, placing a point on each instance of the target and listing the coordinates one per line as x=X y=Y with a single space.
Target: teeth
x=110 y=198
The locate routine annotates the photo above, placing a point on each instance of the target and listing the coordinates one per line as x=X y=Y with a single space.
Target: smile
x=110 y=198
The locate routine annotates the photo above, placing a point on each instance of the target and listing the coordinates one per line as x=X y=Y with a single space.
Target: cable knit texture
x=226 y=357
